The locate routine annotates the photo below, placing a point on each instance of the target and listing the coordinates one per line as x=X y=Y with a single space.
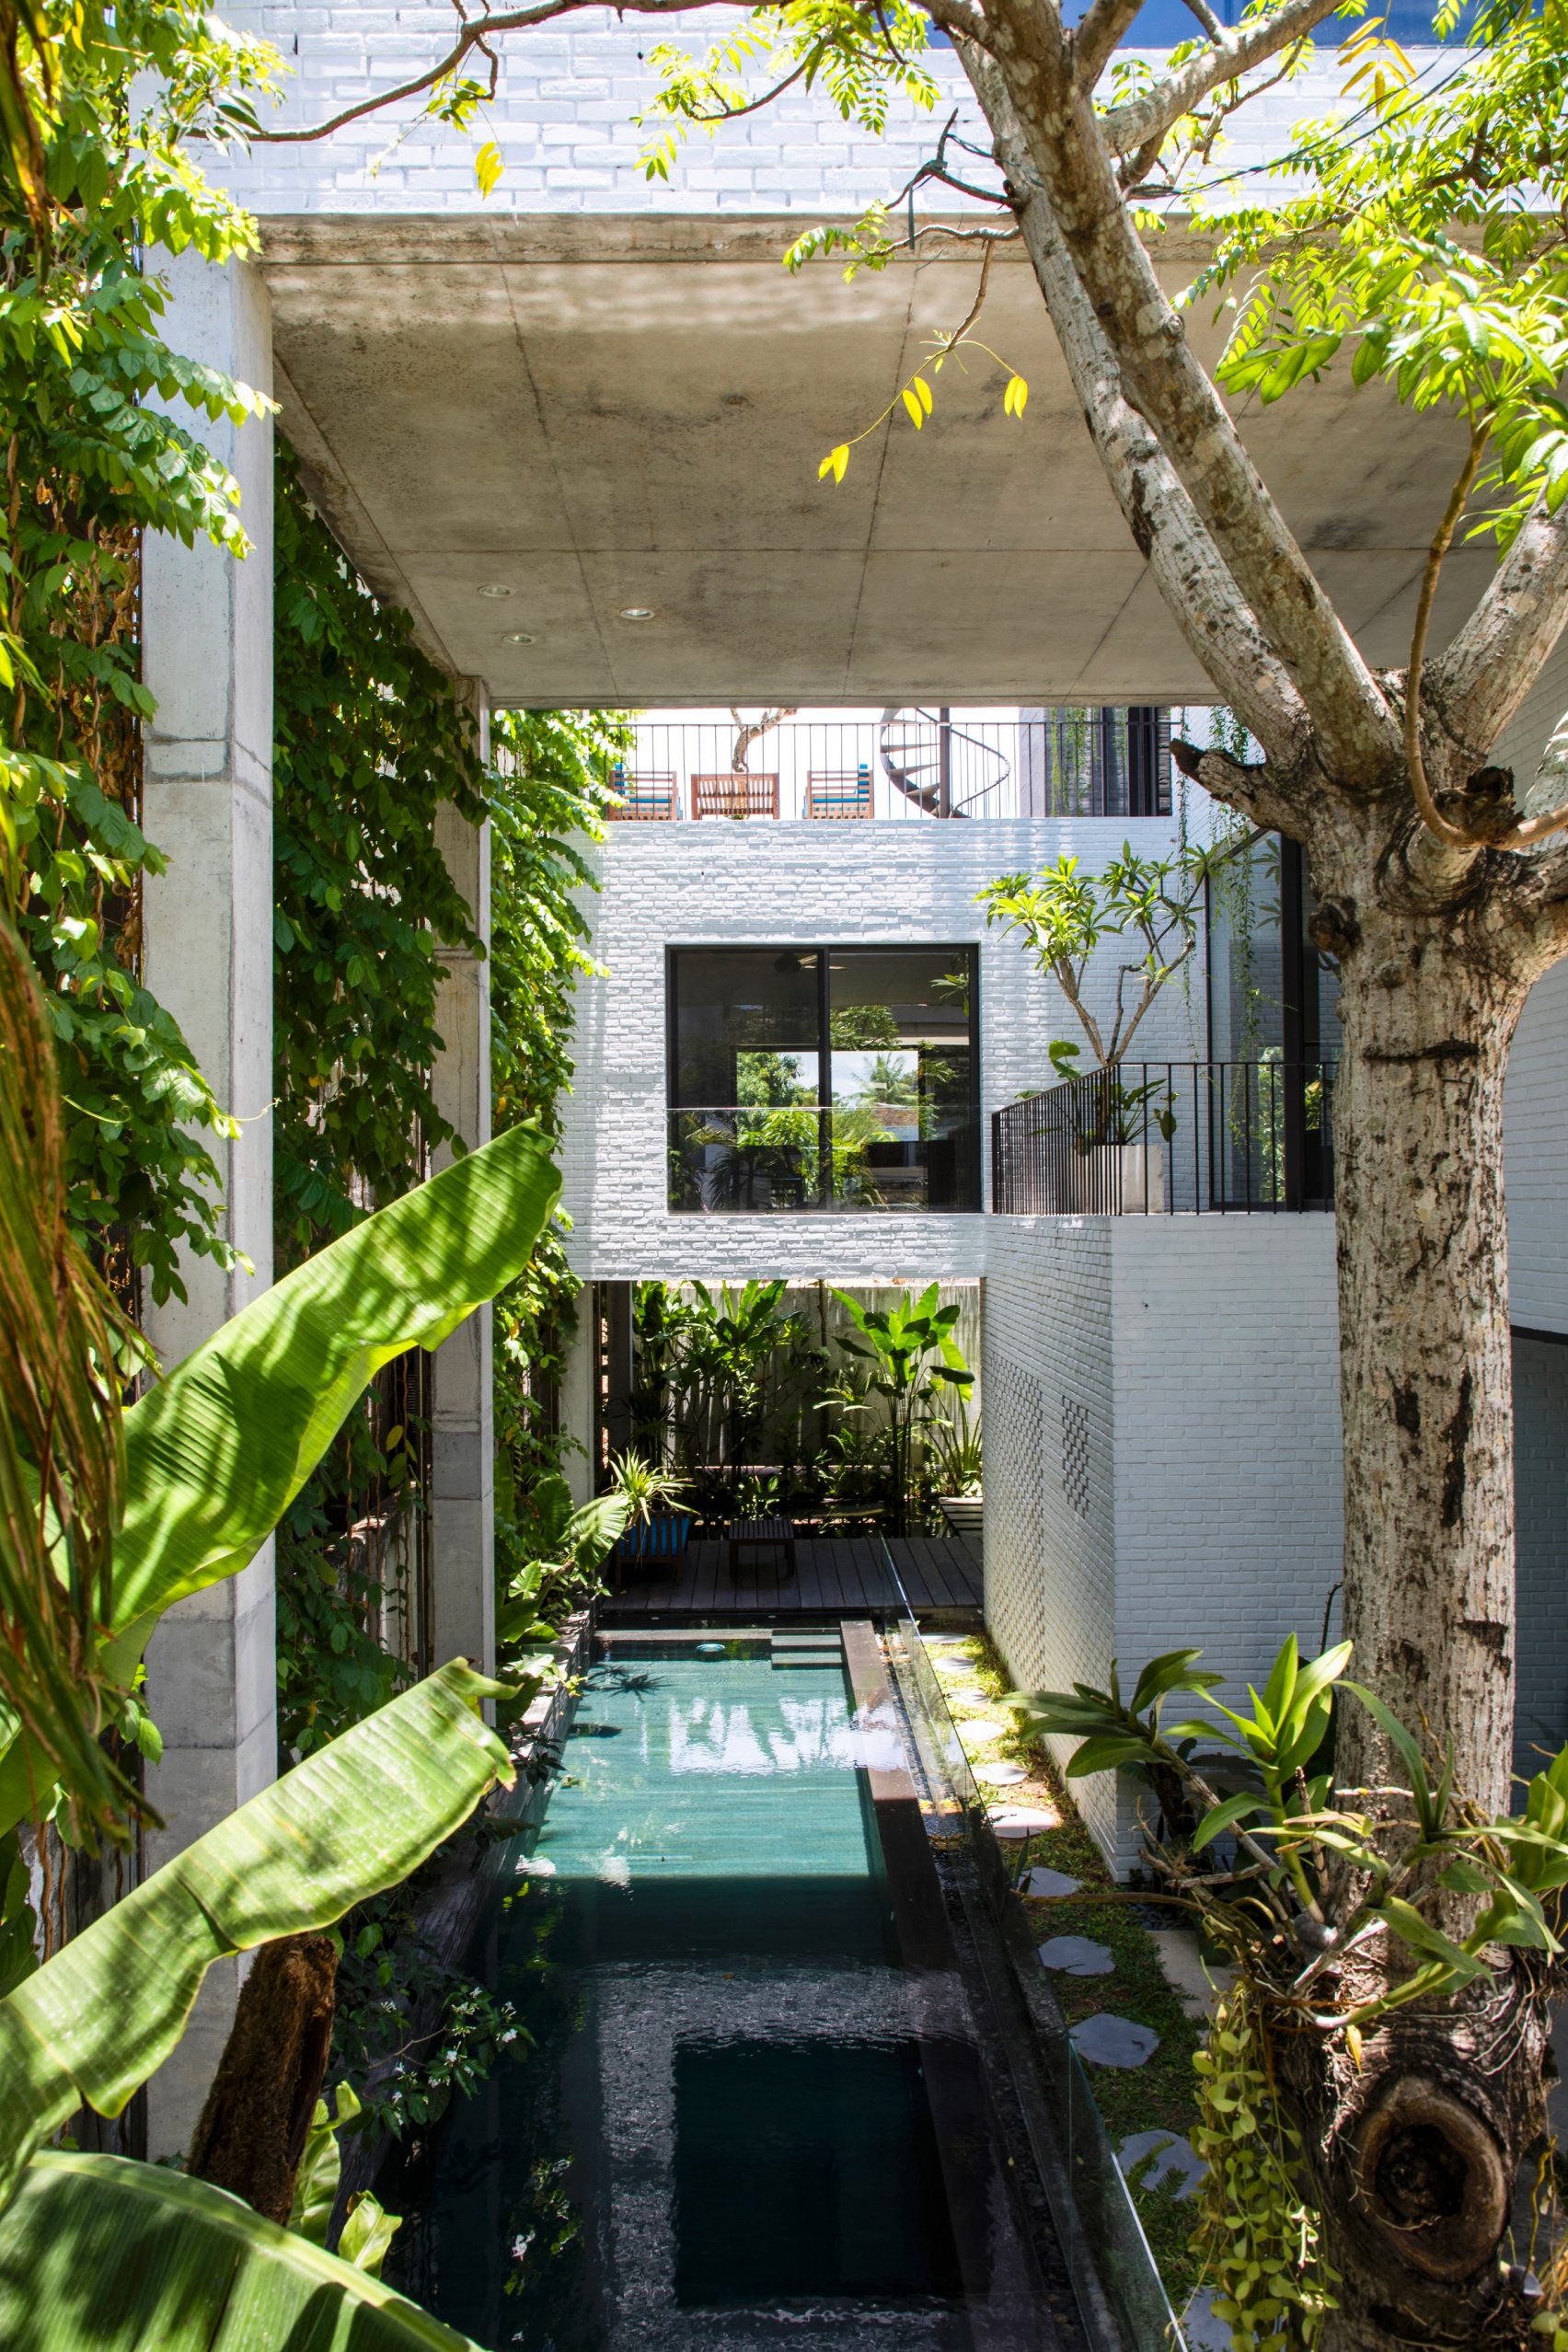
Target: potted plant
x=1118 y=1168
x=958 y=1464
x=653 y=1530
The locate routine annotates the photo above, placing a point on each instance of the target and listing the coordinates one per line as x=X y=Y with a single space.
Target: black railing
x=755 y=1158
x=911 y=763
x=1163 y=1138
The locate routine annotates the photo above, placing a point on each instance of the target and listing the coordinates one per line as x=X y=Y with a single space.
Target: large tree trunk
x=1416 y=2151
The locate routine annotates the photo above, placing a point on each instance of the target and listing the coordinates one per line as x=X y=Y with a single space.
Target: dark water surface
x=743 y=2122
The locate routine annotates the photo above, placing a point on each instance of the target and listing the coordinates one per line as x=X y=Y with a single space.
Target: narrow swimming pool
x=746 y=2116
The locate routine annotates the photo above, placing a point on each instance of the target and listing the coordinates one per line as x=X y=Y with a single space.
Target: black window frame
x=824 y=949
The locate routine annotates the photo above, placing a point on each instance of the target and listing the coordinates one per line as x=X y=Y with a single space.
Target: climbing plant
x=547 y=798
x=371 y=742
x=96 y=191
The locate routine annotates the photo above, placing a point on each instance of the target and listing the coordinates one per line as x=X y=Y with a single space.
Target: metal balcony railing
x=1163 y=1138
x=913 y=764
x=749 y=1159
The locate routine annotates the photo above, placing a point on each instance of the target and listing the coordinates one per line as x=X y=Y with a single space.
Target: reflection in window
x=823 y=1078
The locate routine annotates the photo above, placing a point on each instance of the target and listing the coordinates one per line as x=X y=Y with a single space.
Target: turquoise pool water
x=742 y=2122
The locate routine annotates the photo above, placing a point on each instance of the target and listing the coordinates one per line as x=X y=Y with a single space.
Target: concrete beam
x=208 y=928
x=668 y=393
x=463 y=1418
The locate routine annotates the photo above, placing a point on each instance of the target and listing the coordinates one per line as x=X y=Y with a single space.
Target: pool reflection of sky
x=672 y=1771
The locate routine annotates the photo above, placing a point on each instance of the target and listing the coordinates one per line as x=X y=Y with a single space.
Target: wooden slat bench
x=750 y=1533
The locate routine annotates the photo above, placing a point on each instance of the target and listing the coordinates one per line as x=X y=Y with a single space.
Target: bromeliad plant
x=1338 y=1907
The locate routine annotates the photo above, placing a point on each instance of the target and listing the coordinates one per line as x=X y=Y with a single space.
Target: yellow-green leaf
x=924 y=390
x=488 y=164
x=99 y=2251
x=90 y=2026
x=915 y=412
x=1015 y=396
x=835 y=463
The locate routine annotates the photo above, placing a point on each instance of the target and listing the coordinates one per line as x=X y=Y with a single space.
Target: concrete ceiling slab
x=610 y=412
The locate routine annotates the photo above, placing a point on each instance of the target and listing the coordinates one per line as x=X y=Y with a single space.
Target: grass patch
x=1158 y=2094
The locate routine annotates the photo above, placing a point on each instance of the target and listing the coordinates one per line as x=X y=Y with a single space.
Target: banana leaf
x=217 y=1451
x=94 y=2022
x=99 y=2251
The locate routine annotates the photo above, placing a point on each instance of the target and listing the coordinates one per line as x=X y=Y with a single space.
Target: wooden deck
x=836 y=1576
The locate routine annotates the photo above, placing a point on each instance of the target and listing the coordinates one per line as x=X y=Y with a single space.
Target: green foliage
x=95 y=453
x=909 y=1352
x=564 y=1548
x=1257 y=2235
x=1063 y=915
x=857 y=61
x=94 y=2021
x=1426 y=249
x=371 y=744
x=1314 y=1881
x=219 y=1448
x=410 y=2031
x=100 y=2250
x=547 y=800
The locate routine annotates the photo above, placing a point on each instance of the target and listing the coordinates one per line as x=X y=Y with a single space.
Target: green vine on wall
x=371 y=742
x=91 y=457
x=550 y=794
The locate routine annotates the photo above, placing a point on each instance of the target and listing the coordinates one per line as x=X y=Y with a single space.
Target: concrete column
x=577 y=1415
x=207 y=623
x=462 y=1436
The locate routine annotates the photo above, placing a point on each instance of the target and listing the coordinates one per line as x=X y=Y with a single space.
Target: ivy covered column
x=463 y=1433
x=207 y=640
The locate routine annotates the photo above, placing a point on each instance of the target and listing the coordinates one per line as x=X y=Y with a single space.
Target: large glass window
x=814 y=1077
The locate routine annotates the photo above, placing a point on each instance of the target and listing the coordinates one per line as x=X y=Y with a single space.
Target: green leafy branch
x=1316 y=1881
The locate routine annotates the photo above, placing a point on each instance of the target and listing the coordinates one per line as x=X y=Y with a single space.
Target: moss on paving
x=1158 y=2094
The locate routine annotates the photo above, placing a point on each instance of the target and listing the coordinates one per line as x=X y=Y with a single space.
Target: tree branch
x=476 y=33
x=1195 y=585
x=1097 y=35
x=1131 y=125
x=1490 y=667
x=1357 y=730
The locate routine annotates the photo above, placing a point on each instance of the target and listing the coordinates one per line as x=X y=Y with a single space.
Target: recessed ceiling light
x=637 y=612
x=518 y=637
x=494 y=588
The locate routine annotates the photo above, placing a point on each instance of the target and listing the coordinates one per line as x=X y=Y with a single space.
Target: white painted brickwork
x=1200 y=1356
x=1534 y=1103
x=1050 y=1552
x=1541 y=1478
x=563 y=118
x=802 y=884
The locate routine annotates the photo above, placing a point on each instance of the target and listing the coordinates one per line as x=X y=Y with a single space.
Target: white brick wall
x=1540 y=1479
x=803 y=884
x=563 y=116
x=1535 y=1102
x=1050 y=1438
x=1201 y=1354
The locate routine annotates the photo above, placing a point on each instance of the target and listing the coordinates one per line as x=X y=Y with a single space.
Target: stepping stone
x=1021 y=1820
x=1202 y=2331
x=977 y=1727
x=1042 y=1883
x=1108 y=2040
x=1078 y=1955
x=1001 y=1776
x=1174 y=2159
